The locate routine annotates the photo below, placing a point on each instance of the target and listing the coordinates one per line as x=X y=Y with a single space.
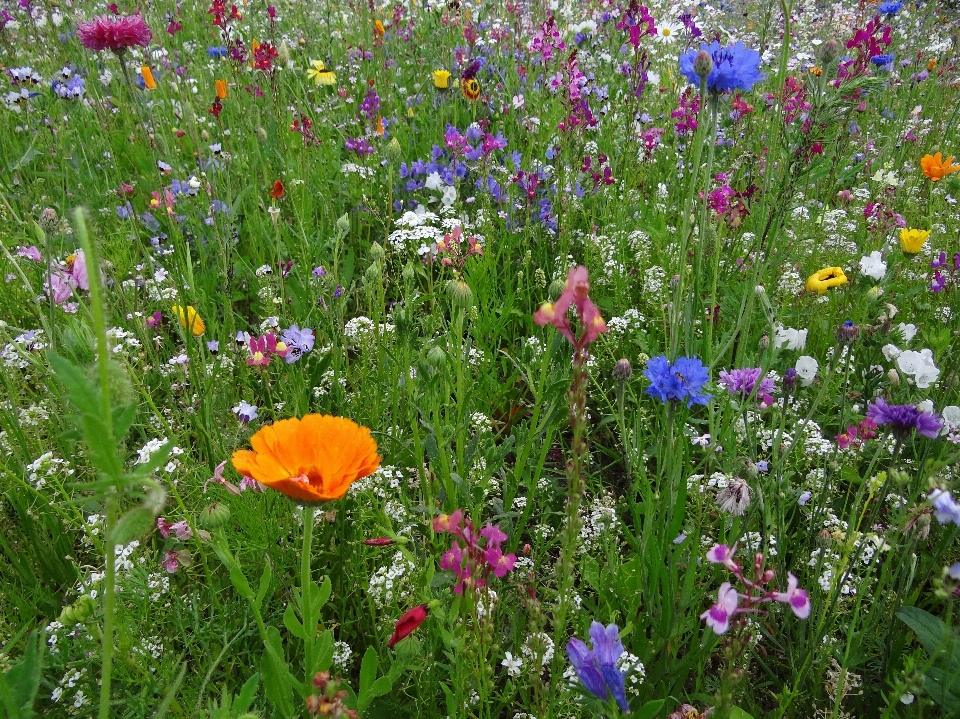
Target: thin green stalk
x=306 y=596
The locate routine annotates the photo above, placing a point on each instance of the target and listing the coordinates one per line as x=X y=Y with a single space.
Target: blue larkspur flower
x=597 y=667
x=681 y=381
x=735 y=67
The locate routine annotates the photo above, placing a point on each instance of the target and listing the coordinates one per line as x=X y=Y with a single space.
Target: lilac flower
x=298 y=341
x=597 y=667
x=903 y=418
x=180 y=530
x=734 y=68
x=213 y=346
x=718 y=616
x=245 y=412
x=945 y=506
x=746 y=381
x=30 y=253
x=681 y=381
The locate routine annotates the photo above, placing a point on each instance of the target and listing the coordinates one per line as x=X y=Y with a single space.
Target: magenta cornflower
x=117 y=34
x=472 y=564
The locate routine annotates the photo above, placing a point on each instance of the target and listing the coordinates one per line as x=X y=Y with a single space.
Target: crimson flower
x=114 y=33
x=411 y=619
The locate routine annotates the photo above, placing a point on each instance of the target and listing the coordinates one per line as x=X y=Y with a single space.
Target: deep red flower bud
x=411 y=619
x=379 y=541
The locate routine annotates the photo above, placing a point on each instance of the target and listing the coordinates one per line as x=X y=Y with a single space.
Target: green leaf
x=247 y=694
x=323 y=651
x=933 y=633
x=650 y=709
x=134 y=523
x=171 y=693
x=20 y=683
x=320 y=595
x=738 y=713
x=277 y=680
x=264 y=585
x=293 y=624
x=368 y=670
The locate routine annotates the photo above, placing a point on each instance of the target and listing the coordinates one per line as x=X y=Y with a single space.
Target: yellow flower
x=826 y=278
x=378 y=28
x=190 y=317
x=441 y=79
x=912 y=240
x=319 y=73
x=470 y=89
x=148 y=81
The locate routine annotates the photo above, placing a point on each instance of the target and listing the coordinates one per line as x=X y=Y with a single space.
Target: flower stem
x=306 y=597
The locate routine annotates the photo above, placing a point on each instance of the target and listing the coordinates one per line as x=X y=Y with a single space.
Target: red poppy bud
x=277 y=192
x=379 y=541
x=411 y=619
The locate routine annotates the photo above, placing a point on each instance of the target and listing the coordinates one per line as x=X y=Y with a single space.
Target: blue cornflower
x=890 y=8
x=682 y=381
x=736 y=67
x=597 y=667
x=884 y=62
x=217 y=51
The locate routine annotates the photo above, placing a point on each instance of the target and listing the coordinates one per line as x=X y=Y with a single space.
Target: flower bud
x=556 y=288
x=78 y=612
x=894 y=377
x=436 y=357
x=409 y=271
x=392 y=151
x=764 y=342
x=214 y=515
x=828 y=52
x=703 y=64
x=376 y=251
x=460 y=294
x=49 y=221
x=261 y=133
x=343 y=223
x=847 y=333
x=622 y=370
x=824 y=539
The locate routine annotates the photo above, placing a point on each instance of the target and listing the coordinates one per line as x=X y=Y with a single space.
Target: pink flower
x=794 y=596
x=218 y=478
x=251 y=484
x=60 y=286
x=448 y=523
x=30 y=253
x=79 y=271
x=574 y=293
x=114 y=33
x=171 y=561
x=722 y=554
x=718 y=616
x=180 y=530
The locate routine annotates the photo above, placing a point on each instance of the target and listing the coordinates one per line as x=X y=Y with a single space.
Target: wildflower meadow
x=469 y=359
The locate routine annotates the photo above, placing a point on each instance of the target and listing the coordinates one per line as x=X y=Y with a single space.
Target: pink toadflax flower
x=718 y=616
x=574 y=293
x=794 y=596
x=117 y=34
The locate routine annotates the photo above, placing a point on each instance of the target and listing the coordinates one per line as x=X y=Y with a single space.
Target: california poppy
x=148 y=82
x=470 y=88
x=277 y=190
x=221 y=87
x=314 y=459
x=378 y=29
x=936 y=168
x=411 y=619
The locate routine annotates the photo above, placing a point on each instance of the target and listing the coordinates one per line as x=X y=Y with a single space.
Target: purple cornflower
x=903 y=418
x=945 y=506
x=734 y=68
x=298 y=341
x=682 y=381
x=746 y=381
x=597 y=667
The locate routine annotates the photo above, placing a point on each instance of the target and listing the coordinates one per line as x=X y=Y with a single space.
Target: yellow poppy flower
x=441 y=79
x=911 y=241
x=826 y=278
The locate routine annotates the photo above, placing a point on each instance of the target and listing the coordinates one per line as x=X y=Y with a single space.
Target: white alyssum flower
x=807 y=369
x=512 y=664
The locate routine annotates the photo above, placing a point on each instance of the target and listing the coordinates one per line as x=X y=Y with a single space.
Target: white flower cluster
x=158 y=289
x=384 y=483
x=537 y=650
x=600 y=521
x=388 y=584
x=634 y=671
x=342 y=654
x=44 y=466
x=122 y=341
x=12 y=354
x=630 y=321
x=147 y=450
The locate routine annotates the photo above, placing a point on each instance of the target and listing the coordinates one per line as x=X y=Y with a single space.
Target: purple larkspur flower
x=903 y=418
x=945 y=506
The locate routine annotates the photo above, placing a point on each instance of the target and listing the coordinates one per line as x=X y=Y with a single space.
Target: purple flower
x=213 y=346
x=718 y=616
x=298 y=341
x=734 y=68
x=597 y=667
x=746 y=381
x=794 y=596
x=245 y=412
x=30 y=253
x=681 y=381
x=945 y=506
x=903 y=418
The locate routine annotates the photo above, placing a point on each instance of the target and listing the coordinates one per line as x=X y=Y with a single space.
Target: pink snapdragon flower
x=575 y=292
x=471 y=563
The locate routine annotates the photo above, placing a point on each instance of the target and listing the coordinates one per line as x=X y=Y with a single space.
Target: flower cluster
x=472 y=564
x=728 y=604
x=597 y=667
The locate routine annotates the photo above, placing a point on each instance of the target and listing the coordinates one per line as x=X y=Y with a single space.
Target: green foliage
x=19 y=684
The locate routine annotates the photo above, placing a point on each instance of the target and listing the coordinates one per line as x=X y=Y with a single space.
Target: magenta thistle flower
x=117 y=34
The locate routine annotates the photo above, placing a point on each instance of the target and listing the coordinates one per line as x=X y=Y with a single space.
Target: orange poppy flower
x=378 y=29
x=936 y=168
x=148 y=82
x=314 y=459
x=276 y=192
x=221 y=88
